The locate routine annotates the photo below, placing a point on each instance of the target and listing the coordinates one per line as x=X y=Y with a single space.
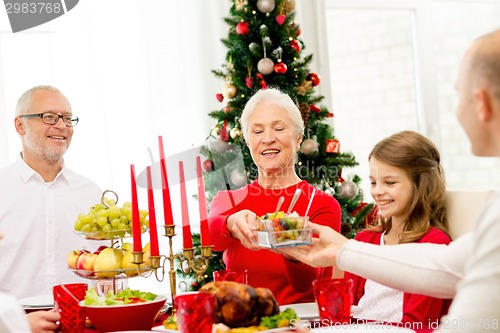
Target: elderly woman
x=273 y=130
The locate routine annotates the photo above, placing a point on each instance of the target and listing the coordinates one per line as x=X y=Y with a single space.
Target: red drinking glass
x=230 y=275
x=66 y=301
x=195 y=312
x=334 y=298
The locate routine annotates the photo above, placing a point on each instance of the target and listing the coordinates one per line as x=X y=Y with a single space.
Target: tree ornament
x=223 y=132
x=208 y=165
x=240 y=4
x=314 y=108
x=242 y=28
x=264 y=31
x=330 y=191
x=265 y=6
x=215 y=131
x=348 y=189
x=314 y=78
x=295 y=44
x=297 y=29
x=288 y=6
x=254 y=48
x=219 y=146
x=304 y=88
x=249 y=82
x=263 y=83
x=280 y=68
x=238 y=178
x=265 y=66
x=229 y=90
x=332 y=146
x=219 y=97
x=304 y=112
x=235 y=132
x=280 y=19
x=309 y=147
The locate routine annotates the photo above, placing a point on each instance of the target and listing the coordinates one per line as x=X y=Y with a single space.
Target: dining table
x=309 y=320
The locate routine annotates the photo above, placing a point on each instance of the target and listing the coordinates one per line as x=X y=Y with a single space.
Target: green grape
x=115 y=222
x=107 y=228
x=87 y=227
x=88 y=219
x=99 y=206
x=124 y=219
x=103 y=213
x=102 y=221
x=114 y=212
x=78 y=225
x=123 y=226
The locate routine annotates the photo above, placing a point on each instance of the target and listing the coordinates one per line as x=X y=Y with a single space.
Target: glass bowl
x=285 y=231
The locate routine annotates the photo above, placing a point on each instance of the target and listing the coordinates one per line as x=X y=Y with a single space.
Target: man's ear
x=484 y=107
x=19 y=126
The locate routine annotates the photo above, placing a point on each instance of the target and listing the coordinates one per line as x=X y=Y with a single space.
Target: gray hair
x=24 y=102
x=276 y=97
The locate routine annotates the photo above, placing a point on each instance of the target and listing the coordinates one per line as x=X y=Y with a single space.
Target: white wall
x=376 y=65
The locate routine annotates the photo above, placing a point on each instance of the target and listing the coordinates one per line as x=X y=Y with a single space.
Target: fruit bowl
x=125 y=317
x=107 y=235
x=123 y=273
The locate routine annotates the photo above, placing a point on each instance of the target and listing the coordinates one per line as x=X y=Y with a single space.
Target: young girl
x=408 y=186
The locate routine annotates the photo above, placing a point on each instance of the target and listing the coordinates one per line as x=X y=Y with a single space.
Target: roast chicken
x=240 y=305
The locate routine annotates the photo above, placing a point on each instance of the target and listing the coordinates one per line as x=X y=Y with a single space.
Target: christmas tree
x=265 y=49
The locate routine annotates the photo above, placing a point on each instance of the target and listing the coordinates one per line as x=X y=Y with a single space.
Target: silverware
x=310 y=201
x=280 y=202
x=296 y=196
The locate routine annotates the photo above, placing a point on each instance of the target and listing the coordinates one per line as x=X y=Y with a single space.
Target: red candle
x=136 y=220
x=186 y=228
x=153 y=233
x=167 y=205
x=204 y=231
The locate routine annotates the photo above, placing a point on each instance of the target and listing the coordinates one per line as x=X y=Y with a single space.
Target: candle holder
x=188 y=262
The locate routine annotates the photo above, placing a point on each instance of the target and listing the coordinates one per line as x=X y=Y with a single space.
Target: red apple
x=73 y=256
x=86 y=261
x=99 y=249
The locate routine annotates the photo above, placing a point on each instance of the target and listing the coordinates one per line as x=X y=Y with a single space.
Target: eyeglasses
x=50 y=118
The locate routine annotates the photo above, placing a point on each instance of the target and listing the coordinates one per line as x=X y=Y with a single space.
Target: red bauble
x=249 y=82
x=208 y=165
x=314 y=78
x=281 y=19
x=242 y=28
x=295 y=44
x=219 y=97
x=280 y=68
x=314 y=108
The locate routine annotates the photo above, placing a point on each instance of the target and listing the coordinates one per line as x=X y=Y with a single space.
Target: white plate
x=161 y=328
x=43 y=302
x=362 y=328
x=310 y=310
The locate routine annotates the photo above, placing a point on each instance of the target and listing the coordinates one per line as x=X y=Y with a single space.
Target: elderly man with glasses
x=40 y=199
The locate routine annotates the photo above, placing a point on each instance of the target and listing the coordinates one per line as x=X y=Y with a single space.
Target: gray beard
x=46 y=153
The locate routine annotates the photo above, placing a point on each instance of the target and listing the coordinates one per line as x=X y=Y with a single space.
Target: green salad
x=126 y=296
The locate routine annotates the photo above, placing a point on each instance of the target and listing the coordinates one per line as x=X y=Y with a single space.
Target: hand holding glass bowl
x=278 y=230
